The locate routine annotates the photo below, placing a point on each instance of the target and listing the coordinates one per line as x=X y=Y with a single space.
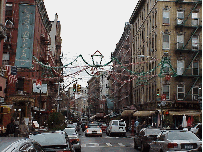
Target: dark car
x=53 y=142
x=74 y=138
x=19 y=144
x=144 y=137
x=84 y=126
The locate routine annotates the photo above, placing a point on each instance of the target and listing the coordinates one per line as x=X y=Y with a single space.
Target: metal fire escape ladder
x=191 y=37
x=190 y=63
x=191 y=87
x=190 y=12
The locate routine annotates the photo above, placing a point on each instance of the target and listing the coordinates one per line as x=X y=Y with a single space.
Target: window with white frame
x=195 y=19
x=195 y=42
x=166 y=16
x=166 y=38
x=195 y=68
x=180 y=91
x=180 y=17
x=180 y=41
x=166 y=91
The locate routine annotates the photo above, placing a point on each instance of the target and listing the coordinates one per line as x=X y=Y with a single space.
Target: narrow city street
x=106 y=143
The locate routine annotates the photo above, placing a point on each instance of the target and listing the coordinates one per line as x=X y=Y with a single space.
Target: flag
x=8 y=70
x=11 y=73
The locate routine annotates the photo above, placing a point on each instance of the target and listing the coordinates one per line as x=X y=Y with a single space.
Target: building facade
x=29 y=60
x=166 y=52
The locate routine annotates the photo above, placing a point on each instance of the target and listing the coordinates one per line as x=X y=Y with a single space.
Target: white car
x=93 y=130
x=117 y=127
x=176 y=140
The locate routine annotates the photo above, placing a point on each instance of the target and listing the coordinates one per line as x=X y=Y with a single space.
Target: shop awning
x=143 y=113
x=187 y=113
x=127 y=113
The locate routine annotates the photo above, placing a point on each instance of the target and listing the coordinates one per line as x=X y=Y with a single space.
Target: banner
x=26 y=25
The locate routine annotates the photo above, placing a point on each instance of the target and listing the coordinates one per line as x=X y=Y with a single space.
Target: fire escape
x=189 y=28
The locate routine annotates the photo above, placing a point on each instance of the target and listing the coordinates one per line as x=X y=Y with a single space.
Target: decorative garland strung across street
x=142 y=77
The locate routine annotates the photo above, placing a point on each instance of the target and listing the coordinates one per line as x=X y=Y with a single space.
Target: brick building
x=167 y=45
x=27 y=51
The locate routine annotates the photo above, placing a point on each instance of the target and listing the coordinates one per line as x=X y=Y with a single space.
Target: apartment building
x=167 y=55
x=27 y=53
x=121 y=74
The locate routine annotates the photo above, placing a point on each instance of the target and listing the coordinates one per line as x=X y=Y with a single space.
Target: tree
x=56 y=121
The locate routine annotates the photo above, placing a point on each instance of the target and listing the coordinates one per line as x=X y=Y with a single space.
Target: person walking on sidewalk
x=11 y=128
x=23 y=129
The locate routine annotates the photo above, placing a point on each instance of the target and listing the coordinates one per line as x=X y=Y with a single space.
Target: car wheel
x=144 y=148
x=135 y=145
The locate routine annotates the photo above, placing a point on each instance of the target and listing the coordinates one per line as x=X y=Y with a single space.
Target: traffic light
x=74 y=87
x=78 y=88
x=157 y=92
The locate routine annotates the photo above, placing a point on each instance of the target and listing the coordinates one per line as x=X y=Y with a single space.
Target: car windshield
x=121 y=123
x=152 y=131
x=70 y=131
x=93 y=126
x=182 y=136
x=71 y=126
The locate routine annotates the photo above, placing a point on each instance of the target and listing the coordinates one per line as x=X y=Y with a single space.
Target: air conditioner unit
x=1 y=99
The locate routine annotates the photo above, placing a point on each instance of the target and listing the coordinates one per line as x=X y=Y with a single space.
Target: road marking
x=120 y=144
x=109 y=144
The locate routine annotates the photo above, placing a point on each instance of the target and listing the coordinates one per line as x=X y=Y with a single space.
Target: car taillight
x=85 y=126
x=64 y=151
x=172 y=145
x=87 y=130
x=100 y=131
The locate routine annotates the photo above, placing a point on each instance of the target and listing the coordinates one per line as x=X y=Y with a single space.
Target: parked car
x=53 y=141
x=74 y=138
x=71 y=126
x=144 y=137
x=93 y=130
x=19 y=144
x=117 y=127
x=103 y=126
x=176 y=140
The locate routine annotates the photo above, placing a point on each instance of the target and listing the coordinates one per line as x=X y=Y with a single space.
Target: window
x=9 y=9
x=195 y=93
x=180 y=91
x=180 y=17
x=195 y=44
x=180 y=41
x=166 y=16
x=195 y=68
x=165 y=41
x=166 y=68
x=195 y=20
x=180 y=67
x=115 y=123
x=166 y=89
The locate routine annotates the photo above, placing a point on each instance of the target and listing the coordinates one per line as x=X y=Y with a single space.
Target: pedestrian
x=11 y=128
x=136 y=126
x=23 y=128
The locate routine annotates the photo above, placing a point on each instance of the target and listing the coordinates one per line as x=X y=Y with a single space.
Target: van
x=117 y=127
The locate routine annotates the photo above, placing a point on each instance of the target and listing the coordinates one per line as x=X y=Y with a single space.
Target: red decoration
x=167 y=77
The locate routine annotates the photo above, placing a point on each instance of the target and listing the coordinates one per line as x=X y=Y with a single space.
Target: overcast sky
x=88 y=26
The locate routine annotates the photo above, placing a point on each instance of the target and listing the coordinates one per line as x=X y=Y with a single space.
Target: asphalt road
x=106 y=143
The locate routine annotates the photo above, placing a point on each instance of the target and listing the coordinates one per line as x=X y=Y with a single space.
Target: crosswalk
x=107 y=145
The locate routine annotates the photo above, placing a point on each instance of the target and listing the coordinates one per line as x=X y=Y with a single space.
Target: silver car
x=19 y=144
x=55 y=141
x=176 y=140
x=93 y=130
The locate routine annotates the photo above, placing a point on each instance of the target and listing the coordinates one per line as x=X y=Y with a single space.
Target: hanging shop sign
x=26 y=25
